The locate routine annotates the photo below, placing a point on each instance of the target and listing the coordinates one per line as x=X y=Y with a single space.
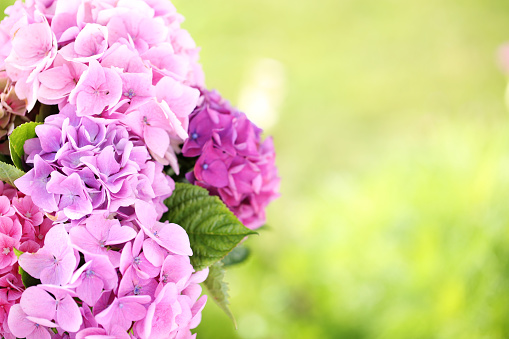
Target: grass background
x=393 y=146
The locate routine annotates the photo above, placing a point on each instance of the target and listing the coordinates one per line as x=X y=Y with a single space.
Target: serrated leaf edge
x=184 y=197
x=18 y=159
x=8 y=178
x=217 y=272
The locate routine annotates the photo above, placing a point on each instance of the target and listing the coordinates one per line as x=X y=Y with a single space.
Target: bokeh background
x=393 y=145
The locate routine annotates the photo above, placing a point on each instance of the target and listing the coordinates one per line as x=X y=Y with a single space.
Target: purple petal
x=106 y=162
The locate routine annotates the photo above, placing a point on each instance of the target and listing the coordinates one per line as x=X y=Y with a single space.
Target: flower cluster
x=233 y=161
x=105 y=58
x=84 y=251
x=23 y=226
x=82 y=164
x=122 y=74
x=143 y=288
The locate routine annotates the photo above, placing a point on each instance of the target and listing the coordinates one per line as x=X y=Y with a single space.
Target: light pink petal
x=97 y=89
x=27 y=90
x=126 y=258
x=90 y=290
x=146 y=328
x=193 y=291
x=69 y=315
x=99 y=226
x=168 y=294
x=196 y=311
x=36 y=302
x=57 y=238
x=92 y=41
x=18 y=324
x=123 y=311
x=134 y=122
x=101 y=337
x=145 y=213
x=82 y=239
x=114 y=85
x=35 y=263
x=54 y=275
x=40 y=332
x=157 y=140
x=153 y=252
x=178 y=125
x=93 y=332
x=60 y=272
x=174 y=238
x=56 y=78
x=41 y=321
x=182 y=99
x=138 y=243
x=89 y=104
x=79 y=209
x=120 y=234
x=106 y=272
x=199 y=276
x=177 y=269
x=118 y=333
x=133 y=309
x=77 y=274
x=114 y=258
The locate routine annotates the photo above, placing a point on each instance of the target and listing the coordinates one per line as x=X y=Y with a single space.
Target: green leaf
x=9 y=173
x=17 y=252
x=26 y=278
x=218 y=289
x=17 y=140
x=237 y=256
x=212 y=228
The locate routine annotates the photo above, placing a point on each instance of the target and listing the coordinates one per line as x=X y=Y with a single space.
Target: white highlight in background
x=252 y=326
x=263 y=92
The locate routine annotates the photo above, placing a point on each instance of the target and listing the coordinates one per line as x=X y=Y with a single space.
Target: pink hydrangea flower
x=55 y=262
x=24 y=326
x=233 y=161
x=97 y=89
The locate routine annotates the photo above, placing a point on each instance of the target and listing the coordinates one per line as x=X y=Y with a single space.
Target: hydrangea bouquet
x=125 y=182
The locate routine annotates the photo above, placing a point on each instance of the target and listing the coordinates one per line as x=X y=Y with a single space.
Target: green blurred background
x=393 y=145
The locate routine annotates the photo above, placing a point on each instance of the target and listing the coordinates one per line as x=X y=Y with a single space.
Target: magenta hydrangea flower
x=233 y=162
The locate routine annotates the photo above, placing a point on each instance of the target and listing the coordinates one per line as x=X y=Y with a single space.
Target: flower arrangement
x=125 y=183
